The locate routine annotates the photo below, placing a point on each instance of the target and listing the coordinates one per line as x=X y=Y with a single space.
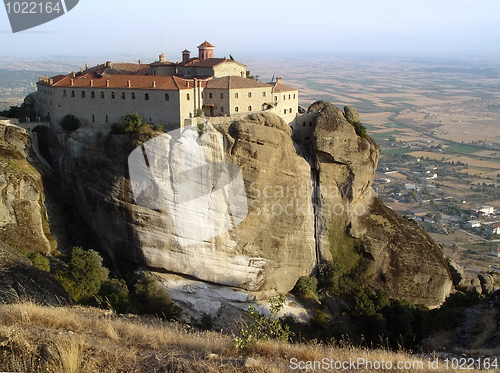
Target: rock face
x=23 y=220
x=265 y=253
x=405 y=261
x=351 y=114
x=21 y=281
x=282 y=237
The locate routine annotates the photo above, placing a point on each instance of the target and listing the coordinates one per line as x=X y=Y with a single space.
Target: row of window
x=236 y=95
x=113 y=96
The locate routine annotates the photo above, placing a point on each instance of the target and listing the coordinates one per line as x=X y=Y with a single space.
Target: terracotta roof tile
x=206 y=44
x=278 y=87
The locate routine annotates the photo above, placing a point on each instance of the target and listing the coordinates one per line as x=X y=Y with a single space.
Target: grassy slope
x=77 y=339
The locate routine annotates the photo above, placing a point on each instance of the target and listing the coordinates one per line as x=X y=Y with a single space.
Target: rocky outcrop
x=351 y=114
x=21 y=281
x=482 y=283
x=281 y=237
x=266 y=253
x=23 y=220
x=405 y=261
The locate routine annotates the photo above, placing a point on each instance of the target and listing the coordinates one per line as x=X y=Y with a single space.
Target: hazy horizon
x=97 y=30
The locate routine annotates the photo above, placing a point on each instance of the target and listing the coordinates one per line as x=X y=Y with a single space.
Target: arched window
x=221 y=109
x=249 y=94
x=210 y=95
x=275 y=98
x=289 y=97
x=304 y=124
x=188 y=97
x=235 y=95
x=64 y=93
x=123 y=95
x=92 y=94
x=264 y=94
x=113 y=95
x=107 y=119
x=167 y=97
x=222 y=95
x=284 y=97
x=72 y=93
x=249 y=108
x=93 y=118
x=290 y=110
x=285 y=111
x=102 y=94
x=236 y=109
x=146 y=96
x=83 y=94
x=133 y=95
x=294 y=96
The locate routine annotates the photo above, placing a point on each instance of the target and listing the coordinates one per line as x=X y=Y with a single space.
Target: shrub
x=132 y=122
x=39 y=261
x=151 y=299
x=264 y=328
x=85 y=275
x=306 y=286
x=199 y=112
x=70 y=123
x=201 y=128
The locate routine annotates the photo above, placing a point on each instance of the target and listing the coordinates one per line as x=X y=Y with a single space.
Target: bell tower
x=205 y=51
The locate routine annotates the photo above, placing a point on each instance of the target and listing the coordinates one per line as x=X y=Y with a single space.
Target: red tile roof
x=122 y=82
x=206 y=44
x=232 y=82
x=278 y=87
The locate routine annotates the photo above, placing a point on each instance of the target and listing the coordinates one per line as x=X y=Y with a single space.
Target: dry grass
x=77 y=339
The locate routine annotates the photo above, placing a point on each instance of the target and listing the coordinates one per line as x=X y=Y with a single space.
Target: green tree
x=151 y=299
x=249 y=76
x=70 y=123
x=132 y=122
x=85 y=274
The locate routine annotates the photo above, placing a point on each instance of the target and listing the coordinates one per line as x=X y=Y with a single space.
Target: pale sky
x=101 y=28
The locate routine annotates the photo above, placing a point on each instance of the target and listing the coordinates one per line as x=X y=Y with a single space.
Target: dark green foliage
x=13 y=112
x=205 y=322
x=250 y=76
x=132 y=122
x=70 y=123
x=114 y=294
x=199 y=112
x=40 y=261
x=117 y=129
x=151 y=299
x=306 y=286
x=201 y=128
x=85 y=275
x=359 y=128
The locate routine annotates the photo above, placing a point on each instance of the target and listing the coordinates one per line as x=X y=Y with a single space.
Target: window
x=236 y=109
x=113 y=95
x=249 y=94
x=304 y=124
x=123 y=95
x=133 y=95
x=146 y=96
x=188 y=97
x=285 y=111
x=263 y=94
x=235 y=95
x=72 y=93
x=83 y=94
x=222 y=95
x=249 y=108
x=93 y=118
x=310 y=124
x=221 y=109
x=107 y=119
x=284 y=97
x=275 y=98
x=289 y=97
x=294 y=96
x=290 y=110
x=210 y=95
x=167 y=97
x=64 y=93
x=102 y=94
x=92 y=94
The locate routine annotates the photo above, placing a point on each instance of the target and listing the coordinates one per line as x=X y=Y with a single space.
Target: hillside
x=77 y=339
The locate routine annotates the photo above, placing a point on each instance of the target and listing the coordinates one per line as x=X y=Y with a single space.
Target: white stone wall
x=229 y=68
x=287 y=105
x=241 y=103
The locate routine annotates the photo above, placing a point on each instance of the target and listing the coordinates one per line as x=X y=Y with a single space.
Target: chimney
x=107 y=83
x=109 y=64
x=163 y=58
x=86 y=66
x=278 y=80
x=91 y=83
x=140 y=62
x=51 y=81
x=73 y=74
x=81 y=69
x=154 y=84
x=71 y=82
x=128 y=83
x=186 y=56
x=187 y=82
